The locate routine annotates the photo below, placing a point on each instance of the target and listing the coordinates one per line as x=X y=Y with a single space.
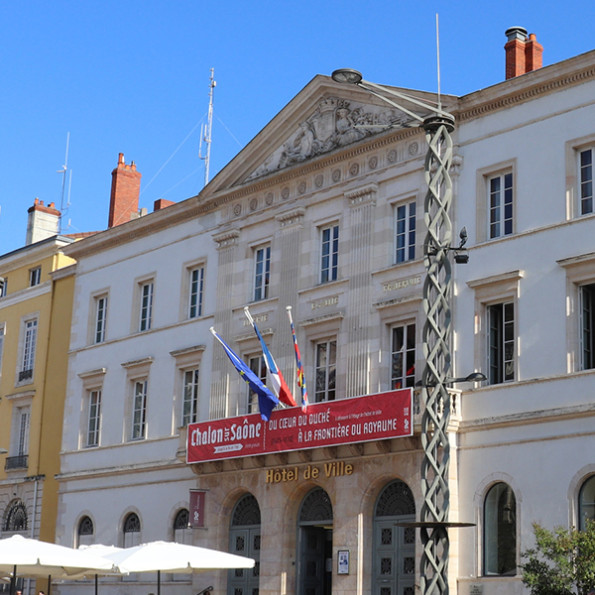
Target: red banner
x=197 y=508
x=330 y=423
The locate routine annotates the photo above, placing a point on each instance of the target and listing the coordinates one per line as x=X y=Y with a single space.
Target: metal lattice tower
x=436 y=350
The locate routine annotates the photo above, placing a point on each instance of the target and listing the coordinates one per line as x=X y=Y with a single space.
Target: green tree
x=562 y=562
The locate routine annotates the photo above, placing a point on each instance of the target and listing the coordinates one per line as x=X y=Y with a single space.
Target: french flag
x=278 y=383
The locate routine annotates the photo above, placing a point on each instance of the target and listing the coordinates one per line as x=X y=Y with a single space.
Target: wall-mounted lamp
x=473 y=377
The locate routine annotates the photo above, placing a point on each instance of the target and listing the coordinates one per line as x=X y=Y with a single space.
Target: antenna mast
x=438 y=60
x=206 y=131
x=63 y=171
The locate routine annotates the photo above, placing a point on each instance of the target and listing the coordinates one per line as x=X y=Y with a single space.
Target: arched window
x=244 y=537
x=586 y=502
x=85 y=532
x=182 y=531
x=15 y=518
x=499 y=531
x=131 y=529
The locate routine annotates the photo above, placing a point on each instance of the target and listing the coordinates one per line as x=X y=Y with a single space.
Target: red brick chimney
x=522 y=54
x=125 y=193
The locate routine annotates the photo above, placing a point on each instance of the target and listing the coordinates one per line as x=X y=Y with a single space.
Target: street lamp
x=437 y=290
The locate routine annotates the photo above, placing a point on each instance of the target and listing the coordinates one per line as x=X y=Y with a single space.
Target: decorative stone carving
x=373 y=162
x=319 y=181
x=335 y=123
x=226 y=239
x=285 y=193
x=269 y=199
x=254 y=204
x=237 y=209
x=292 y=217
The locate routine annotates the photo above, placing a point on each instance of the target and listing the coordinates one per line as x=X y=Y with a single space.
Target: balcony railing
x=25 y=375
x=17 y=462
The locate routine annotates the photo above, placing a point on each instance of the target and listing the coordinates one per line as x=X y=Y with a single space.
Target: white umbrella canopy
x=39 y=559
x=167 y=556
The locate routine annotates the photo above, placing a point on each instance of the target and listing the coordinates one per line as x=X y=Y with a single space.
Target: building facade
x=35 y=315
x=323 y=212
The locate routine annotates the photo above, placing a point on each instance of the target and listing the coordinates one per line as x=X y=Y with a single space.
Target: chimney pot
x=516 y=33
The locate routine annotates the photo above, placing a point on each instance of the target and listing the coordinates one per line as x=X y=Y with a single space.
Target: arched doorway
x=315 y=526
x=393 y=555
x=244 y=540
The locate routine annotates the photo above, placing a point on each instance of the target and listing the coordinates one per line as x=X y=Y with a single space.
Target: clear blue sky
x=132 y=76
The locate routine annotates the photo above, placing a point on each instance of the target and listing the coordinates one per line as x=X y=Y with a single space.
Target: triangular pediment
x=323 y=117
x=334 y=122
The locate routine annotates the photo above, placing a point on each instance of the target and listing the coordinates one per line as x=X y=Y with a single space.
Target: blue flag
x=267 y=401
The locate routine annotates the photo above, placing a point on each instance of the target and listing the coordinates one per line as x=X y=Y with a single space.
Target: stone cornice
x=495 y=100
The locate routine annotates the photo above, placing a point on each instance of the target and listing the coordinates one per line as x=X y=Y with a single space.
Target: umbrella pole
x=96 y=589
x=13 y=580
x=49 y=584
x=159 y=582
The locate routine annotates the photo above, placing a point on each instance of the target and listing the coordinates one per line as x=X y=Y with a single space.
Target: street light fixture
x=437 y=290
x=473 y=377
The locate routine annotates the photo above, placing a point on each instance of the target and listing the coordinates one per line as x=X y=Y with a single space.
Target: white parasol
x=166 y=556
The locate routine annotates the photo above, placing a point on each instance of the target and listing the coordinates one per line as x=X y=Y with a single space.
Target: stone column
x=221 y=403
x=362 y=204
x=287 y=258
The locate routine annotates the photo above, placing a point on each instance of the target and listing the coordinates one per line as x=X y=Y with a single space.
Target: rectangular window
x=28 y=353
x=19 y=437
x=500 y=205
x=587 y=297
x=586 y=181
x=402 y=369
x=100 y=318
x=190 y=401
x=262 y=271
x=195 y=296
x=258 y=366
x=326 y=368
x=146 y=306
x=94 y=417
x=405 y=232
x=501 y=339
x=3 y=286
x=139 y=410
x=329 y=253
x=34 y=276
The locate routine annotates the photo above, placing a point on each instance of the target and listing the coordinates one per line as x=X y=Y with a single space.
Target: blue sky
x=133 y=76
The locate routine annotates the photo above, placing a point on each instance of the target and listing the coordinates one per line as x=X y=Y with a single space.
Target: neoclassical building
x=323 y=212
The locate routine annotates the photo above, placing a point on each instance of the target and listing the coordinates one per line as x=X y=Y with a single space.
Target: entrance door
x=244 y=538
x=315 y=568
x=316 y=560
x=394 y=547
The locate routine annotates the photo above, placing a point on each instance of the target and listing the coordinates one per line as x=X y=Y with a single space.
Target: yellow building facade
x=35 y=314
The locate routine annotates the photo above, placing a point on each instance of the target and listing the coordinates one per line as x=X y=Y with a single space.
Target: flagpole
x=298 y=361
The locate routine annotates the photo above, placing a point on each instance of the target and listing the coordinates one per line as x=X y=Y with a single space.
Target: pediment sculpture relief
x=335 y=123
